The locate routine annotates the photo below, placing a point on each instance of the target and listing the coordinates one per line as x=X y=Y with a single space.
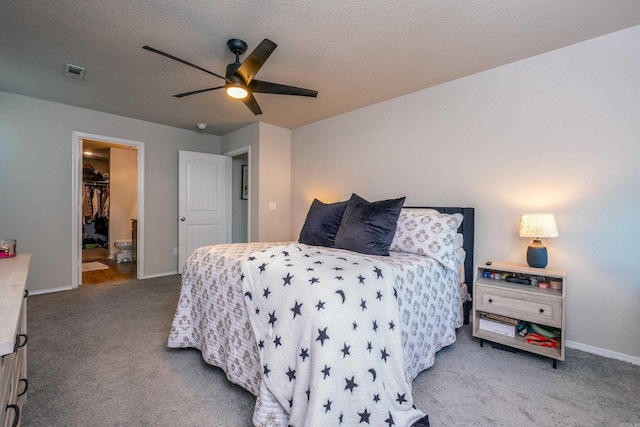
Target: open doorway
x=240 y=194
x=107 y=209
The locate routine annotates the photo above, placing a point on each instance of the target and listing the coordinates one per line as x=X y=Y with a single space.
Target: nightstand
x=494 y=297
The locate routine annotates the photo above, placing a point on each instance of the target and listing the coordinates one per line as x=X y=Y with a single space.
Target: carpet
x=98 y=356
x=93 y=266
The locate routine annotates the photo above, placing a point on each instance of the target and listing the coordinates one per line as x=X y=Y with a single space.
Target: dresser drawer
x=520 y=305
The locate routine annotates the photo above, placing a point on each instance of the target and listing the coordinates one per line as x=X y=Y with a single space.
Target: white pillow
x=430 y=234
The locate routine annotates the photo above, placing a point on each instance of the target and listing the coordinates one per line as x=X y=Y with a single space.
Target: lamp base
x=537 y=254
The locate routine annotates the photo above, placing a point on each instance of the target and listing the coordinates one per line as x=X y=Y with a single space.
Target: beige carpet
x=93 y=266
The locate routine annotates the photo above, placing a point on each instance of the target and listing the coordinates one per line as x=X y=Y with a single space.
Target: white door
x=204 y=203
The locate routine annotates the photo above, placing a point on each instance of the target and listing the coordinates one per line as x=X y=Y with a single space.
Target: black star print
x=263 y=267
x=304 y=353
x=375 y=326
x=261 y=344
x=339 y=278
x=364 y=416
x=355 y=326
x=376 y=398
x=338 y=268
x=322 y=335
x=327 y=406
x=291 y=374
x=379 y=295
x=309 y=268
x=285 y=253
x=252 y=258
x=272 y=318
x=320 y=305
x=266 y=371
x=319 y=262
x=296 y=309
x=266 y=293
x=314 y=280
x=369 y=347
x=345 y=350
x=277 y=341
x=257 y=310
x=341 y=258
x=363 y=304
x=401 y=398
x=308 y=393
x=392 y=326
x=340 y=418
x=361 y=279
x=384 y=354
x=351 y=384
x=395 y=293
x=307 y=256
x=325 y=371
x=287 y=280
x=390 y=420
x=378 y=272
x=290 y=403
x=242 y=276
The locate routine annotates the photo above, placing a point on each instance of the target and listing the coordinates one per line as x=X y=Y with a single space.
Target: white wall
x=270 y=178
x=36 y=174
x=275 y=183
x=123 y=194
x=558 y=133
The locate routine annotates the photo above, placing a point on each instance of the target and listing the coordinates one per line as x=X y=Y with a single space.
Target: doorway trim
x=76 y=201
x=237 y=152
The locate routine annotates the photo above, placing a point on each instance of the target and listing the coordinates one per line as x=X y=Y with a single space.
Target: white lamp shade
x=538 y=225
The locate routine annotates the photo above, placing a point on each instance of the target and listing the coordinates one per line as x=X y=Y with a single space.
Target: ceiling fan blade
x=193 y=92
x=175 y=58
x=259 y=86
x=256 y=60
x=250 y=101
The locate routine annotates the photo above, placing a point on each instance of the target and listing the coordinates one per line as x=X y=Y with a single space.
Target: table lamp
x=537 y=225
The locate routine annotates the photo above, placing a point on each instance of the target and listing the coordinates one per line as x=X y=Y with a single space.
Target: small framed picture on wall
x=244 y=190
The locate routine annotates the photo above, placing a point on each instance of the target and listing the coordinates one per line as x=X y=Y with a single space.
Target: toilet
x=124 y=247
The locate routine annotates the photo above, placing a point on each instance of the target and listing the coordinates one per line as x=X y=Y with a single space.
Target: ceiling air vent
x=74 y=71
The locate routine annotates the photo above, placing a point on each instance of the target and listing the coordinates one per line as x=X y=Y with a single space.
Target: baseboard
x=603 y=352
x=153 y=276
x=49 y=291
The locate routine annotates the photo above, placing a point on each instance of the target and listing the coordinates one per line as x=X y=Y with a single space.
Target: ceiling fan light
x=237 y=92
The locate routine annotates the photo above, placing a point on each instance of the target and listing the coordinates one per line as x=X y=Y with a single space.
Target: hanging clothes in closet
x=95 y=206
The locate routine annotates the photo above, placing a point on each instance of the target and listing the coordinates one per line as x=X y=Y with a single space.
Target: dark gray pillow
x=369 y=227
x=322 y=223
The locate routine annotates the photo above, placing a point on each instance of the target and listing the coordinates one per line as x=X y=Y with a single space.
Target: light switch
x=272 y=205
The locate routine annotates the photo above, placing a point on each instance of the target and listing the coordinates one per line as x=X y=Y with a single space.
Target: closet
x=95 y=209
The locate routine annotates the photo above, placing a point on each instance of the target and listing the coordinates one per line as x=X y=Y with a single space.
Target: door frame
x=76 y=201
x=237 y=152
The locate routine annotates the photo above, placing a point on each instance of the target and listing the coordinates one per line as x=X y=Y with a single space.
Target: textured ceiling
x=355 y=53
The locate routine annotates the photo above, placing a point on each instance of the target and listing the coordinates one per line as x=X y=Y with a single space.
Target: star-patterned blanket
x=326 y=325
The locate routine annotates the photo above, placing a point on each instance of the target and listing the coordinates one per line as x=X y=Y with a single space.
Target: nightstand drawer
x=520 y=305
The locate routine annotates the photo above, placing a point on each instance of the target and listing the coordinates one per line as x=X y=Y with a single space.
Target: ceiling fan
x=239 y=81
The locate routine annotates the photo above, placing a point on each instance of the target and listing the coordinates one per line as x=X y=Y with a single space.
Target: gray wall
x=557 y=133
x=36 y=179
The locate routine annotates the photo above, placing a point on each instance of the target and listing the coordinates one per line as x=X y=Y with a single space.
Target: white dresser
x=13 y=338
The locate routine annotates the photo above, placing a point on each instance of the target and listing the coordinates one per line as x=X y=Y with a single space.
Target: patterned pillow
x=428 y=234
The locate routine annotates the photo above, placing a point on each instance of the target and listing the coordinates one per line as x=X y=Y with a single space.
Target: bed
x=237 y=306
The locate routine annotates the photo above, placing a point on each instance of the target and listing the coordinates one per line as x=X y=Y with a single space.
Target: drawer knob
x=542 y=310
x=17 y=344
x=490 y=300
x=26 y=386
x=16 y=419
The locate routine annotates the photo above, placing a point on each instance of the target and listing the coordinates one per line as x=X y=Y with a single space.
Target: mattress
x=212 y=317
